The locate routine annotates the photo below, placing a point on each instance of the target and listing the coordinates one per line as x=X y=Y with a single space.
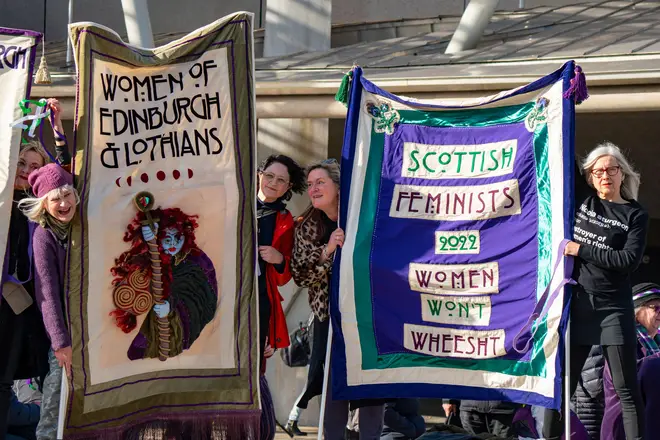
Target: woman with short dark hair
x=279 y=177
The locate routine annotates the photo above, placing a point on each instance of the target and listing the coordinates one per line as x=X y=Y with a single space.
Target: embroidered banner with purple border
x=451 y=280
x=160 y=276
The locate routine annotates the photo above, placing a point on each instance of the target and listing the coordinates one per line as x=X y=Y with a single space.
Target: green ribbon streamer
x=344 y=87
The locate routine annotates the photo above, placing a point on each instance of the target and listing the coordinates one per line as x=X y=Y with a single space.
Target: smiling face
x=606 y=177
x=61 y=204
x=273 y=182
x=28 y=162
x=649 y=315
x=322 y=191
x=173 y=241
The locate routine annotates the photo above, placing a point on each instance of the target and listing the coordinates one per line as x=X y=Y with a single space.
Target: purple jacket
x=648 y=376
x=49 y=257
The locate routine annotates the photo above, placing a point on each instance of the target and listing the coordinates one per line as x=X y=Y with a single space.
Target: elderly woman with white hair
x=52 y=208
x=610 y=236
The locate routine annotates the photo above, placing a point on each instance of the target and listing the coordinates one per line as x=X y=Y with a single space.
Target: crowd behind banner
x=615 y=347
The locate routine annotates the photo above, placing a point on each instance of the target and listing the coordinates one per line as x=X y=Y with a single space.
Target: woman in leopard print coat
x=315 y=241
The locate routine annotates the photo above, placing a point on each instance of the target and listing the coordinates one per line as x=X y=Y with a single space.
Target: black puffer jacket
x=589 y=398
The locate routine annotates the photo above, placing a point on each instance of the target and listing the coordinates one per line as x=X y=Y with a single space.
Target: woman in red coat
x=279 y=177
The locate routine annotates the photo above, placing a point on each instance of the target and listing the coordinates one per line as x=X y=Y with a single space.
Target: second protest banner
x=451 y=279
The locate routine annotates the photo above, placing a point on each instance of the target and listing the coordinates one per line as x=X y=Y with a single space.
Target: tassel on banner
x=344 y=87
x=578 y=90
x=42 y=77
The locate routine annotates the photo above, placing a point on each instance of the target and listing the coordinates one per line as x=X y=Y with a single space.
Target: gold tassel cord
x=43 y=74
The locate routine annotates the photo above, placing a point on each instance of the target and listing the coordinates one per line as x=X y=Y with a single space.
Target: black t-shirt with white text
x=612 y=238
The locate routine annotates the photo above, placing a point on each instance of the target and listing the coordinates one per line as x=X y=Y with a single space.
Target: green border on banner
x=364 y=240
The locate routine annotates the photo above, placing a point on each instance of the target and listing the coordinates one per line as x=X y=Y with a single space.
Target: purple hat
x=48 y=178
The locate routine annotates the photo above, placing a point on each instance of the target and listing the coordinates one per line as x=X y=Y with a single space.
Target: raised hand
x=56 y=110
x=336 y=239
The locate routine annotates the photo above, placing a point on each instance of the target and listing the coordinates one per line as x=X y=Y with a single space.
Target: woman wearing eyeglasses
x=610 y=236
x=279 y=177
x=317 y=238
x=646 y=298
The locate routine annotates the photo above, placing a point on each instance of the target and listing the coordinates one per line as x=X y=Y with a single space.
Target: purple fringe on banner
x=191 y=425
x=578 y=90
x=268 y=421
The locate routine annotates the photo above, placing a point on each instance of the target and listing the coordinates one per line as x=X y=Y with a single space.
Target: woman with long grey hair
x=317 y=237
x=53 y=209
x=610 y=236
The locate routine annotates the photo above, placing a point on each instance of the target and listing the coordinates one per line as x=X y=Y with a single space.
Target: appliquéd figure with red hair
x=176 y=286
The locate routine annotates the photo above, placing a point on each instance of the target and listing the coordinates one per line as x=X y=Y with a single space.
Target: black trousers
x=28 y=432
x=315 y=374
x=622 y=360
x=476 y=422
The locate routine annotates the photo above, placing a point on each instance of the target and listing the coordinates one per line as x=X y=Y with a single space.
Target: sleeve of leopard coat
x=305 y=267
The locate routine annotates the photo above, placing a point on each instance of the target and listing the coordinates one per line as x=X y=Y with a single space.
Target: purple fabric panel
x=138 y=347
x=268 y=420
x=11 y=31
x=649 y=379
x=513 y=243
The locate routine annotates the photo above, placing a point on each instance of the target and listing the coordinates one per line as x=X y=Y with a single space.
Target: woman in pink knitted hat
x=52 y=208
x=23 y=340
